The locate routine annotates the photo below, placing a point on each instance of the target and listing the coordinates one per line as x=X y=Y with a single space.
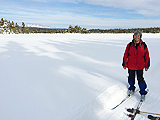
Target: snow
x=71 y=77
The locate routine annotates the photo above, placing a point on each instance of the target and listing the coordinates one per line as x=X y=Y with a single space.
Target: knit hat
x=138 y=32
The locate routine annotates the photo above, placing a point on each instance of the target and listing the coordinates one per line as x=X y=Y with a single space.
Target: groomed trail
x=71 y=77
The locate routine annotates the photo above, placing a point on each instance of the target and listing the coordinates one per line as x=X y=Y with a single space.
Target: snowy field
x=71 y=77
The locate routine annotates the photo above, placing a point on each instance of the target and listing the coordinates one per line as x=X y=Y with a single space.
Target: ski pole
x=149 y=113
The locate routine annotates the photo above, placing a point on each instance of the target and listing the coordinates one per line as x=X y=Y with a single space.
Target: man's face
x=137 y=39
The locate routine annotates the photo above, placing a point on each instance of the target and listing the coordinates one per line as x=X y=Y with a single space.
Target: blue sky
x=102 y=14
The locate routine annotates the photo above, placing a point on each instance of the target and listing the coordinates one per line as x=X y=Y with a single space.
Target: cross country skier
x=136 y=58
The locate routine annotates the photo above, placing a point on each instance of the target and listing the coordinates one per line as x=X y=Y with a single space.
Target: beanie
x=138 y=32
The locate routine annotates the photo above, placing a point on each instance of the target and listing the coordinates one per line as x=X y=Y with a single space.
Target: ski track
x=71 y=77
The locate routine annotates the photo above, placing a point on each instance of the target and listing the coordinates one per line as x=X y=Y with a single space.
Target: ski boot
x=130 y=92
x=143 y=98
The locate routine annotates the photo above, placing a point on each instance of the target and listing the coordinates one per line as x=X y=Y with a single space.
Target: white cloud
x=64 y=19
x=61 y=18
x=41 y=0
x=67 y=1
x=144 y=7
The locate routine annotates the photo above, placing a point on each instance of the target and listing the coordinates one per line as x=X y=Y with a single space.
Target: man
x=136 y=58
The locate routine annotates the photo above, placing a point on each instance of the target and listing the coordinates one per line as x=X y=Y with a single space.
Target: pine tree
x=79 y=29
x=1 y=22
x=12 y=24
x=10 y=27
x=70 y=29
x=16 y=28
x=76 y=29
x=23 y=27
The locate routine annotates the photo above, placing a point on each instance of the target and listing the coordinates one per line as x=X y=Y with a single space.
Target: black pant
x=131 y=80
x=139 y=74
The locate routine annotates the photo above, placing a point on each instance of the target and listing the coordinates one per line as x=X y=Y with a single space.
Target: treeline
x=7 y=27
x=144 y=30
x=11 y=27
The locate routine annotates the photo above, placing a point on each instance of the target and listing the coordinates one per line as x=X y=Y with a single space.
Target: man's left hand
x=146 y=69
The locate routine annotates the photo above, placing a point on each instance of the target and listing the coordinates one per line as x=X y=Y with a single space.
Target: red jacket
x=136 y=57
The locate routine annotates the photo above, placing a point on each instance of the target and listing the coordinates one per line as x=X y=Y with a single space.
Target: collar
x=139 y=44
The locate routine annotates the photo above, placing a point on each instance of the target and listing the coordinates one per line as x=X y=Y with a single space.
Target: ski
x=138 y=107
x=125 y=99
x=153 y=117
x=138 y=111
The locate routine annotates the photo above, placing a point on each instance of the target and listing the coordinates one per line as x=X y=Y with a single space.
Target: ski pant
x=141 y=82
